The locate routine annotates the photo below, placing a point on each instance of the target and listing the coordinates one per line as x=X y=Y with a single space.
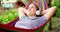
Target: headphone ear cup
x=37 y=12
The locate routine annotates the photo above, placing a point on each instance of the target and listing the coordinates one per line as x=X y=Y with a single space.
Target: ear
x=38 y=12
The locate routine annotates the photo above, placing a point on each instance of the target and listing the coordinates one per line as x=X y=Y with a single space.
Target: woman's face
x=32 y=9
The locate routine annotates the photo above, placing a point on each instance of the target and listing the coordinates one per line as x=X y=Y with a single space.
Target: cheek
x=33 y=9
x=33 y=12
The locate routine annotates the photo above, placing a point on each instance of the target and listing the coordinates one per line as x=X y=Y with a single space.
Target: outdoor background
x=8 y=14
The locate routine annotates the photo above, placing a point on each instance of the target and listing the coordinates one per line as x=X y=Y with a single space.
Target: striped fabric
x=42 y=4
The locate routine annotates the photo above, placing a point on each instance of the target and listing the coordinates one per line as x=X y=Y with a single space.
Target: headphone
x=38 y=12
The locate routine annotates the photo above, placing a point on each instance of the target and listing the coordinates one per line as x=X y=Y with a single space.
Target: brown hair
x=20 y=3
x=36 y=6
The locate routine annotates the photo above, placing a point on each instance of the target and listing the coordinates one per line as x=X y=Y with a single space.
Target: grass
x=54 y=25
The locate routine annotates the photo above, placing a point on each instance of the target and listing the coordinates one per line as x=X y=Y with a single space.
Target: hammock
x=10 y=26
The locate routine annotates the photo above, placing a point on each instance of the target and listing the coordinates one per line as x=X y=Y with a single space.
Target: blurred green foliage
x=0 y=0
x=25 y=1
x=8 y=16
x=53 y=21
x=56 y=3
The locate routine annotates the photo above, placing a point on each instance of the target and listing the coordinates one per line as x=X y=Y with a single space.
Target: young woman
x=30 y=21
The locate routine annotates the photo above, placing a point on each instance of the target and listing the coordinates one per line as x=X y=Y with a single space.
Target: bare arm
x=50 y=12
x=21 y=12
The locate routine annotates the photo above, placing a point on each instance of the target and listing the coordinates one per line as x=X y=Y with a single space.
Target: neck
x=32 y=16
